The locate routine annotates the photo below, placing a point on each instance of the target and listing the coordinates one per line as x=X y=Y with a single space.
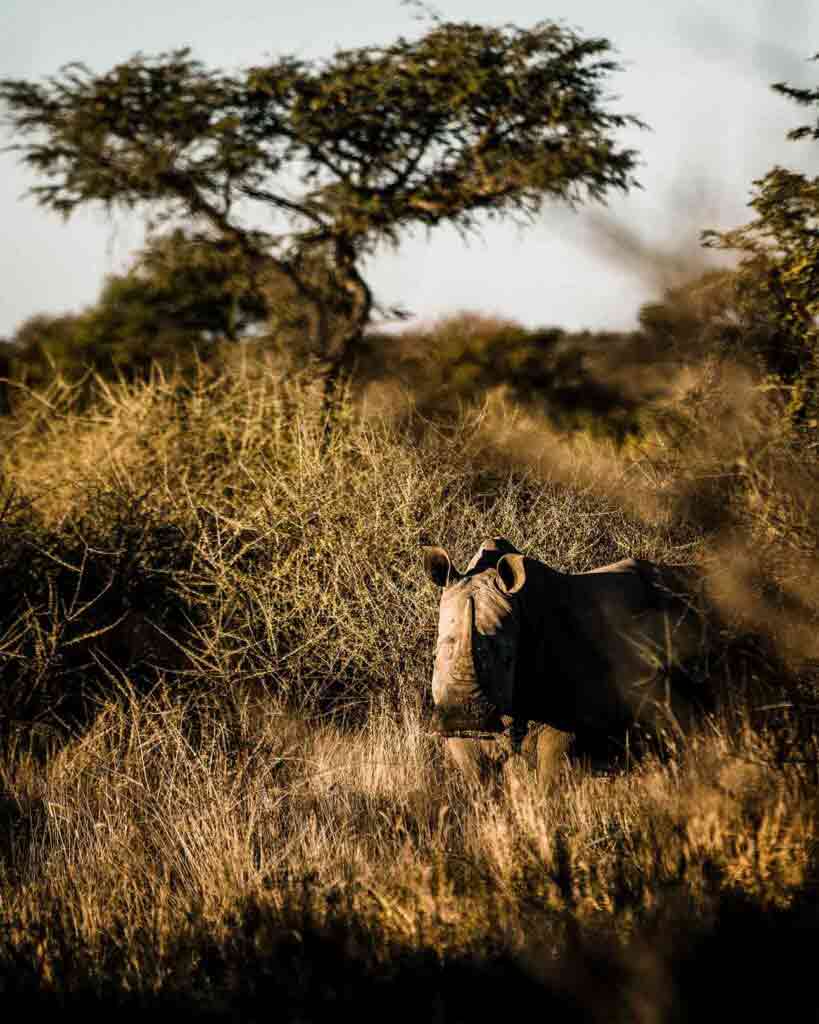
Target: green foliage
x=133 y=323
x=778 y=276
x=345 y=154
x=727 y=314
x=701 y=317
x=43 y=344
x=569 y=376
x=183 y=295
x=199 y=284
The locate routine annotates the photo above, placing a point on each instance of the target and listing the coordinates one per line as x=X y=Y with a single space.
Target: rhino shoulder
x=625 y=565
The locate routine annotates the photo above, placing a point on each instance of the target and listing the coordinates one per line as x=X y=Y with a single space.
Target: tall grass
x=218 y=793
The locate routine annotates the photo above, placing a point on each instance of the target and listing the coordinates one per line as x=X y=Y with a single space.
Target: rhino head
x=478 y=630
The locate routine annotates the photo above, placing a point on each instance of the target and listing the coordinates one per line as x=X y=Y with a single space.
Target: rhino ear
x=439 y=567
x=511 y=573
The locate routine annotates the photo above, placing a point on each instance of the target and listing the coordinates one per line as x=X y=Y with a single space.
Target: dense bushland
x=216 y=639
x=217 y=793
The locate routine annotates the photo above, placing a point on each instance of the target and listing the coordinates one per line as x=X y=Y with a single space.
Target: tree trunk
x=345 y=346
x=338 y=376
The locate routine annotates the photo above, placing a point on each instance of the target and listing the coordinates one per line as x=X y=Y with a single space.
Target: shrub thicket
x=215 y=648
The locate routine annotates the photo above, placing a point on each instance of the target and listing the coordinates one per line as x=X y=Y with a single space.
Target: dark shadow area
x=84 y=607
x=738 y=962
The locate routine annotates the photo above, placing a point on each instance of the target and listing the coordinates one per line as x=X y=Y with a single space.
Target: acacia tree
x=314 y=164
x=778 y=276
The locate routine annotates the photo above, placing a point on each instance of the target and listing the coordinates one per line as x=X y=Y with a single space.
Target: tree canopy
x=778 y=276
x=297 y=164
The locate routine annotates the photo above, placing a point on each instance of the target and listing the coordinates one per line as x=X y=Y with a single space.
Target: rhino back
x=592 y=638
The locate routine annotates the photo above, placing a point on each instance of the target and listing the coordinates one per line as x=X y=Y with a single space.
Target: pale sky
x=697 y=72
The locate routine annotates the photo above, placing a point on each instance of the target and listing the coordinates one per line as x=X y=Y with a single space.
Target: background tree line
x=465 y=123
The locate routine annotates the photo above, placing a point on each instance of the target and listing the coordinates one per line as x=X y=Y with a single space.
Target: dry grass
x=174 y=851
x=217 y=792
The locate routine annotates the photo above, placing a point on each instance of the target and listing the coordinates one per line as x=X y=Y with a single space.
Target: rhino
x=537 y=662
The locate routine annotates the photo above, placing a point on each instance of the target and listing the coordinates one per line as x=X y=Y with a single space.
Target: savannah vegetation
x=218 y=796
x=463 y=124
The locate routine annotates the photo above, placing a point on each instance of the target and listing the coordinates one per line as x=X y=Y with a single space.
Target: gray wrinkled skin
x=529 y=659
x=475 y=655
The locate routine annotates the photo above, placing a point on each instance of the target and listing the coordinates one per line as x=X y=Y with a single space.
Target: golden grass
x=168 y=824
x=216 y=643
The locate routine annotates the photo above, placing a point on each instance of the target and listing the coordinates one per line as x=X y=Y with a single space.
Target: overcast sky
x=698 y=73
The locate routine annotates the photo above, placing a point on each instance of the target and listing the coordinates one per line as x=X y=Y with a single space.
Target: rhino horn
x=464 y=642
x=463 y=708
x=462 y=666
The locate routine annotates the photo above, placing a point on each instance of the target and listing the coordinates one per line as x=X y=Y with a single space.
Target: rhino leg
x=545 y=750
x=479 y=760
